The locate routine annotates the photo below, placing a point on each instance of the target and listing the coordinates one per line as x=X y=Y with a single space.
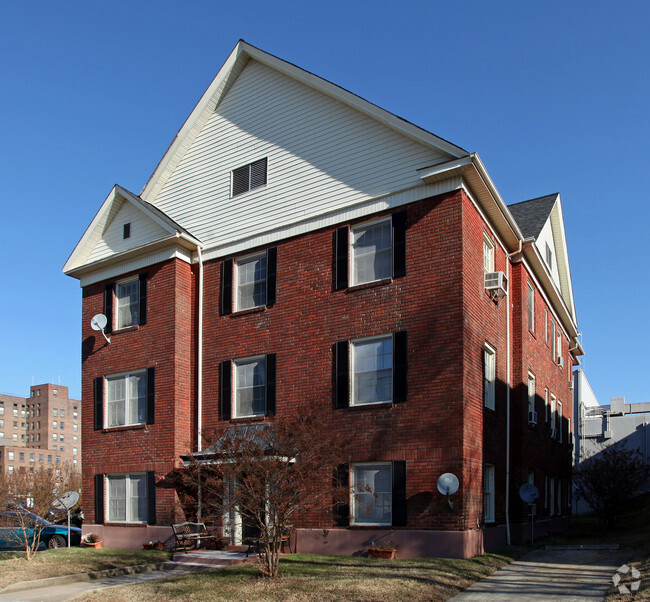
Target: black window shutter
x=99 y=499
x=399 y=244
x=399 y=493
x=226 y=391
x=240 y=180
x=98 y=393
x=400 y=367
x=151 y=395
x=226 y=287
x=341 y=258
x=143 y=299
x=271 y=274
x=151 y=497
x=270 y=384
x=342 y=376
x=342 y=505
x=108 y=306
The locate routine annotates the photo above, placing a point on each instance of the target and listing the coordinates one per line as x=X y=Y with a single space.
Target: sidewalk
x=555 y=574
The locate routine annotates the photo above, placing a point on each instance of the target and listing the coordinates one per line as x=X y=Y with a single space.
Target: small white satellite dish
x=448 y=484
x=529 y=493
x=66 y=501
x=99 y=322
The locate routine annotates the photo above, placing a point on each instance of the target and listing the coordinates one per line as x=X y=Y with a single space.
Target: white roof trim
x=241 y=54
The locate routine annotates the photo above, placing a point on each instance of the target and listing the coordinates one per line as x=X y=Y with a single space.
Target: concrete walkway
x=565 y=574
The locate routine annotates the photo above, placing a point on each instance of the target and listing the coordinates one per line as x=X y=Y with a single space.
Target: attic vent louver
x=249 y=176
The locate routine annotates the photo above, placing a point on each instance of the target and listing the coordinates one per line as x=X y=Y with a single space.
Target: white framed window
x=127 y=498
x=372 y=370
x=489 y=377
x=558 y=348
x=127 y=296
x=55 y=412
x=559 y=421
x=553 y=341
x=248 y=177
x=54 y=437
x=126 y=402
x=546 y=405
x=250 y=278
x=531 y=308
x=531 y=392
x=75 y=427
x=75 y=451
x=488 y=254
x=250 y=386
x=553 y=413
x=551 y=501
x=75 y=439
x=10 y=469
x=55 y=424
x=372 y=493
x=10 y=455
x=488 y=493
x=62 y=413
x=372 y=252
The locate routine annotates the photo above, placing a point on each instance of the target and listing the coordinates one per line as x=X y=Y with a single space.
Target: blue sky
x=552 y=95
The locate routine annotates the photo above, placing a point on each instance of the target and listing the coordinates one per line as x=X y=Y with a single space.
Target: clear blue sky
x=552 y=95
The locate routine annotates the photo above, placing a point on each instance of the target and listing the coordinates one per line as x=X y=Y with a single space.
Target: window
x=130 y=497
x=371 y=370
x=10 y=469
x=249 y=177
x=126 y=399
x=49 y=459
x=549 y=256
x=253 y=393
x=254 y=281
x=551 y=488
x=55 y=424
x=378 y=493
x=371 y=252
x=75 y=427
x=531 y=394
x=559 y=421
x=488 y=254
x=10 y=455
x=127 y=295
x=75 y=415
x=488 y=493
x=546 y=325
x=61 y=425
x=75 y=451
x=40 y=458
x=75 y=438
x=61 y=437
x=55 y=412
x=553 y=412
x=251 y=281
x=126 y=231
x=131 y=298
x=54 y=437
x=58 y=459
x=553 y=341
x=546 y=405
x=250 y=388
x=489 y=377
x=21 y=456
x=61 y=413
x=32 y=458
x=531 y=308
x=55 y=391
x=558 y=348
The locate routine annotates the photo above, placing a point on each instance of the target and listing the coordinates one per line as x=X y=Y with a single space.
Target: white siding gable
x=143 y=230
x=546 y=238
x=324 y=157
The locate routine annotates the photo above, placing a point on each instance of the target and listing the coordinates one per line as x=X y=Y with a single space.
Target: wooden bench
x=185 y=533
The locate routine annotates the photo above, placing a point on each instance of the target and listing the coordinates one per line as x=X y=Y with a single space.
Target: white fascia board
x=562 y=253
x=471 y=168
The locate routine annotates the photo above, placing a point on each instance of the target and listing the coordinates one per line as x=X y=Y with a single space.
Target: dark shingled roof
x=532 y=215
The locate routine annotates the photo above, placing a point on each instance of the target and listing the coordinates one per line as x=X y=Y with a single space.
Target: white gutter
x=199 y=357
x=508 y=386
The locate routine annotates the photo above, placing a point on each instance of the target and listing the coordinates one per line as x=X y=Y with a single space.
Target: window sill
x=124 y=524
x=250 y=310
x=247 y=419
x=126 y=427
x=367 y=406
x=365 y=526
x=365 y=285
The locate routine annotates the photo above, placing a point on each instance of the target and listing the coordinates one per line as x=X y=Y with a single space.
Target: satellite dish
x=66 y=501
x=529 y=493
x=99 y=322
x=448 y=484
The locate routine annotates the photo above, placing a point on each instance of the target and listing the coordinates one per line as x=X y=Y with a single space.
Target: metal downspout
x=199 y=379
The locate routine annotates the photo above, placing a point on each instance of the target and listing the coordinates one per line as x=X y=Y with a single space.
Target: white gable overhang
x=234 y=65
x=174 y=242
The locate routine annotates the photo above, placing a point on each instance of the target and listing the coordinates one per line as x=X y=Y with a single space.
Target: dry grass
x=313 y=577
x=14 y=567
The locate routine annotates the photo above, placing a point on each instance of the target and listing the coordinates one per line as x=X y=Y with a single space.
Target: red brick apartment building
x=298 y=244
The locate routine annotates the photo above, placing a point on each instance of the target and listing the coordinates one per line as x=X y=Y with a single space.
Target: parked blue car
x=52 y=536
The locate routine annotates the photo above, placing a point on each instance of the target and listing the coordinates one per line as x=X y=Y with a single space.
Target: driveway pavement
x=565 y=575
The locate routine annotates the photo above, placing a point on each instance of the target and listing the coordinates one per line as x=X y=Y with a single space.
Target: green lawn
x=315 y=577
x=54 y=563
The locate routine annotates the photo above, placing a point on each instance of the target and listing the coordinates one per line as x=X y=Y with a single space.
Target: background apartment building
x=40 y=430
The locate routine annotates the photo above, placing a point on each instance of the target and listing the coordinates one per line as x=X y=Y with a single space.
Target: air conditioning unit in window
x=560 y=361
x=497 y=283
x=570 y=385
x=532 y=417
